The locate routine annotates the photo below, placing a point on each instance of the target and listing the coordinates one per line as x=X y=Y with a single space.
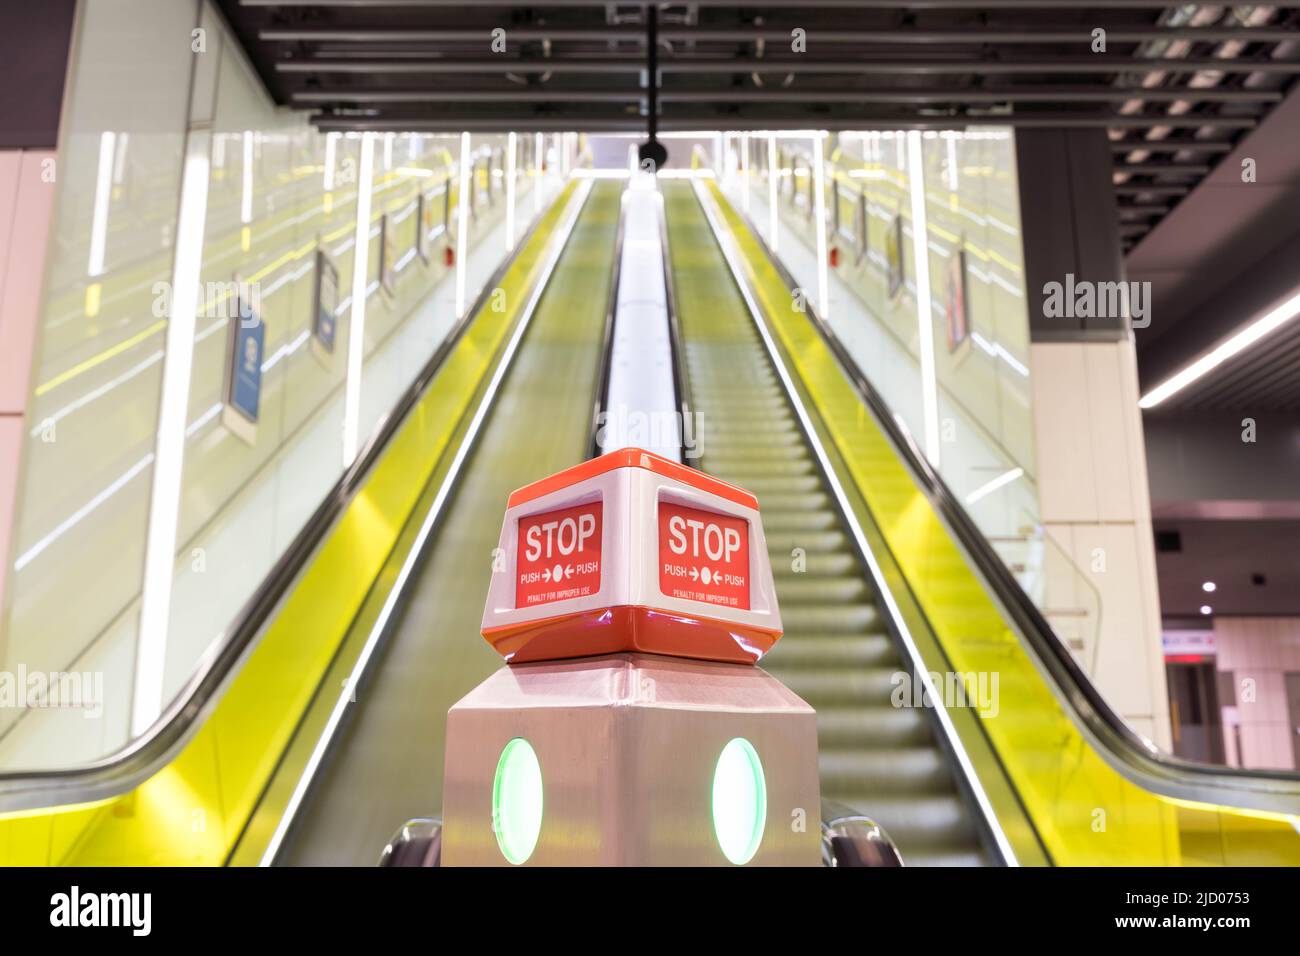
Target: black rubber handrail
x=125 y=769
x=601 y=401
x=681 y=382
x=1175 y=776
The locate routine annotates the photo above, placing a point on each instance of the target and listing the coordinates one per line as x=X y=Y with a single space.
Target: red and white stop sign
x=558 y=556
x=703 y=556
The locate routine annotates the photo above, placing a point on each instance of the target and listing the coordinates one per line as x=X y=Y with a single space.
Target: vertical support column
x=1091 y=456
x=819 y=223
x=773 y=177
x=462 y=221
x=169 y=454
x=539 y=149
x=512 y=144
x=744 y=169
x=924 y=321
x=357 y=313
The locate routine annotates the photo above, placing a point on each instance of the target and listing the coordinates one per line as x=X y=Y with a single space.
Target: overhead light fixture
x=1209 y=587
x=1254 y=331
x=1206 y=609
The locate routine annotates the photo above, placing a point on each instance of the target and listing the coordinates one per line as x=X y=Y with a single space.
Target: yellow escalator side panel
x=192 y=811
x=1085 y=811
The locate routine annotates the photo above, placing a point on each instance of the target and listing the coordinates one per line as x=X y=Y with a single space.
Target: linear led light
x=924 y=323
x=246 y=200
x=984 y=490
x=819 y=217
x=512 y=143
x=773 y=220
x=357 y=322
x=462 y=225
x=169 y=454
x=1269 y=322
x=539 y=148
x=103 y=192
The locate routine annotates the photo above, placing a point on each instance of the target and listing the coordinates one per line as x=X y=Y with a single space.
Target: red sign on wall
x=558 y=556
x=703 y=556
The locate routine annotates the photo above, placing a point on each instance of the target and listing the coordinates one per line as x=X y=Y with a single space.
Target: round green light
x=739 y=801
x=517 y=801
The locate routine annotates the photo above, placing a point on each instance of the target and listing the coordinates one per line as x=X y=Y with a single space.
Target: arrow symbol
x=546 y=575
x=695 y=574
x=568 y=571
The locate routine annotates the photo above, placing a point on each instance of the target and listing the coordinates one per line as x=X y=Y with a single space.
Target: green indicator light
x=739 y=801
x=517 y=801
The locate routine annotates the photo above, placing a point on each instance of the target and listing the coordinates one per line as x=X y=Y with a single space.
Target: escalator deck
x=836 y=654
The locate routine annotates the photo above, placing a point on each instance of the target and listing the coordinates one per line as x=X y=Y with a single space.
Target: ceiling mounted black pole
x=653 y=155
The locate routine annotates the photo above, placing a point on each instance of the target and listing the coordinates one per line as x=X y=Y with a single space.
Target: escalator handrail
x=681 y=383
x=144 y=756
x=600 y=403
x=1116 y=737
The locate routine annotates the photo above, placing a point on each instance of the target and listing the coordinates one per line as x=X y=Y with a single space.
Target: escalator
x=837 y=653
x=886 y=585
x=384 y=763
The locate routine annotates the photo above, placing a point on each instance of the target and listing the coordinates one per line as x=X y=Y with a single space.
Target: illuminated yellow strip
x=101 y=358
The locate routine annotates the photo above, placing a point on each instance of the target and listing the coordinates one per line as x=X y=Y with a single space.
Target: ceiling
x=1176 y=86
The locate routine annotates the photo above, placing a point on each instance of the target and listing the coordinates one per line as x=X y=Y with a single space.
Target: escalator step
x=813 y=565
x=799 y=520
x=814 y=542
x=804 y=589
x=928 y=825
x=844 y=619
x=872 y=727
x=838 y=650
x=859 y=685
x=890 y=770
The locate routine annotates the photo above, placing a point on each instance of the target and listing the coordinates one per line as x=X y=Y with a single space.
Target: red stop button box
x=632 y=552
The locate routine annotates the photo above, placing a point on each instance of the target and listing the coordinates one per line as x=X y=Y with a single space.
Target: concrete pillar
x=1092 y=477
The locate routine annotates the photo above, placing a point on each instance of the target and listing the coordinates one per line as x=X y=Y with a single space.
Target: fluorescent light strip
x=246 y=202
x=924 y=324
x=864 y=548
x=1270 y=322
x=987 y=489
x=462 y=225
x=417 y=548
x=511 y=145
x=357 y=323
x=164 y=505
x=539 y=148
x=331 y=144
x=773 y=219
x=819 y=218
x=103 y=193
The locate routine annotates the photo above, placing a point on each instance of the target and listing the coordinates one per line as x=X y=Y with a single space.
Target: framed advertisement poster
x=243 y=391
x=861 y=226
x=324 y=321
x=956 y=301
x=894 y=269
x=423 y=226
x=387 y=256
